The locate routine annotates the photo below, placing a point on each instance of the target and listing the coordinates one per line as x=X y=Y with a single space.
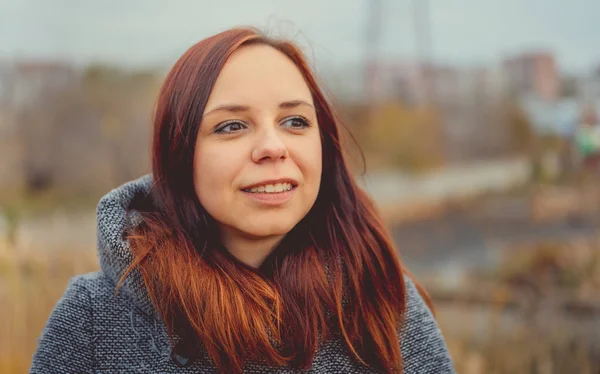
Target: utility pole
x=373 y=36
x=423 y=42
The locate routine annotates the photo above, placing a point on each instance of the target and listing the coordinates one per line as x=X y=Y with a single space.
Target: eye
x=296 y=123
x=230 y=127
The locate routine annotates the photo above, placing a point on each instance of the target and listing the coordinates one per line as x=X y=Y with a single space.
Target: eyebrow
x=236 y=108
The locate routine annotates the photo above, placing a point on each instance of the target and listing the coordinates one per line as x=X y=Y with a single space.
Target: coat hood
x=114 y=252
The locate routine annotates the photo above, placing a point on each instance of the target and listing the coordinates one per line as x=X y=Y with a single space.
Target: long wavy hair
x=335 y=275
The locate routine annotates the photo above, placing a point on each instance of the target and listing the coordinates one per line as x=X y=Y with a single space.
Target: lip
x=293 y=182
x=273 y=198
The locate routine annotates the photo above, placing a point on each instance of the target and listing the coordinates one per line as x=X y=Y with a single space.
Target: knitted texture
x=91 y=330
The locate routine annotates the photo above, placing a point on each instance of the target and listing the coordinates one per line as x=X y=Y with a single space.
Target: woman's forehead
x=258 y=75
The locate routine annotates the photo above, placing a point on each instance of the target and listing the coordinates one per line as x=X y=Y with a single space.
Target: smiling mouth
x=271 y=188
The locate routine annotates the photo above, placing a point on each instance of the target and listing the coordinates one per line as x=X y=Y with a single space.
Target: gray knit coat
x=93 y=331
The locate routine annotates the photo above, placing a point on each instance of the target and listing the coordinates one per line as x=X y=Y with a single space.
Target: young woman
x=250 y=247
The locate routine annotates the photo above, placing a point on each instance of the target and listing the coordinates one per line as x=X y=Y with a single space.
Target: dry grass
x=31 y=282
x=554 y=328
x=526 y=349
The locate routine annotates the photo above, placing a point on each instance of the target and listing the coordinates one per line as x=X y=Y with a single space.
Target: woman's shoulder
x=66 y=342
x=96 y=294
x=422 y=339
x=90 y=285
x=416 y=308
x=418 y=319
x=99 y=292
x=92 y=326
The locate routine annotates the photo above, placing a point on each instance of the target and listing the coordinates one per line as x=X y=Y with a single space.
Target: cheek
x=314 y=158
x=310 y=161
x=214 y=174
x=315 y=168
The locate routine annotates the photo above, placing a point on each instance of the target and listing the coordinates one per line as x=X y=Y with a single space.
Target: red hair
x=336 y=274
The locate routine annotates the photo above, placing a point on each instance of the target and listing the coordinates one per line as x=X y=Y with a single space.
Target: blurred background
x=478 y=120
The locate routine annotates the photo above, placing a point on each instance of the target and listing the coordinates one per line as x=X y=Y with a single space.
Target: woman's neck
x=251 y=251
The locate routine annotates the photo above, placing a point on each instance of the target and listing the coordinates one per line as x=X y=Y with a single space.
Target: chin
x=272 y=228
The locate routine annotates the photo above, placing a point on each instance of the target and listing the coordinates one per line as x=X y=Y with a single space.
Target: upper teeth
x=271 y=188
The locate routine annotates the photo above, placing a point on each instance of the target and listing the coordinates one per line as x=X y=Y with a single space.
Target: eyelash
x=305 y=122
x=220 y=129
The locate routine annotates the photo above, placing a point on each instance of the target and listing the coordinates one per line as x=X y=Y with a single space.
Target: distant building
x=416 y=83
x=11 y=170
x=467 y=99
x=534 y=73
x=23 y=82
x=589 y=86
x=6 y=83
x=345 y=82
x=387 y=80
x=470 y=100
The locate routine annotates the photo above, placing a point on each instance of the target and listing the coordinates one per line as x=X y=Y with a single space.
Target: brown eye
x=230 y=127
x=296 y=123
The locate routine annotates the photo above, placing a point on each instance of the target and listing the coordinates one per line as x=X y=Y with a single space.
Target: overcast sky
x=156 y=32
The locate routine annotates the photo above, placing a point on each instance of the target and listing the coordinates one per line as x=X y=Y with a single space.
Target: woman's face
x=257 y=164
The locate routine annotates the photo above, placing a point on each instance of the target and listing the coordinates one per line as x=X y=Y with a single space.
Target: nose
x=270 y=146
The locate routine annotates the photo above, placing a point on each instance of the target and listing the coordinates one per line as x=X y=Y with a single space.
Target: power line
x=423 y=46
x=372 y=39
